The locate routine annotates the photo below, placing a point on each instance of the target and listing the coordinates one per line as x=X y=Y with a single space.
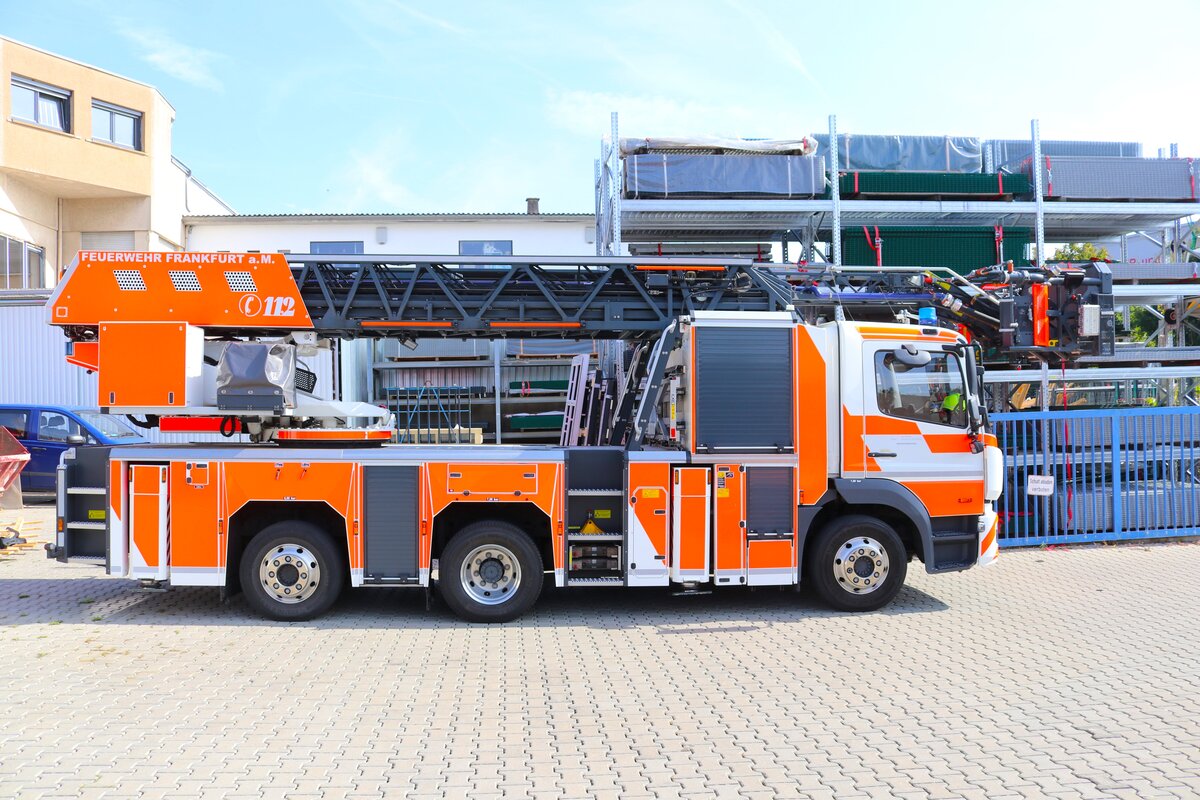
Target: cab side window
x=56 y=427
x=17 y=422
x=930 y=393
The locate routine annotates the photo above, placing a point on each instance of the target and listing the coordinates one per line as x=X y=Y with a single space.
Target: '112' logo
x=252 y=305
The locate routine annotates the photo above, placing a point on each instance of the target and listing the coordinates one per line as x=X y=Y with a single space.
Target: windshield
x=109 y=426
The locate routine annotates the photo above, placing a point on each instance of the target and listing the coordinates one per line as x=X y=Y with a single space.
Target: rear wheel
x=291 y=571
x=490 y=572
x=856 y=563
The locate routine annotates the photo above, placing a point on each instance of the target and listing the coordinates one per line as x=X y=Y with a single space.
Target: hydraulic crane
x=783 y=426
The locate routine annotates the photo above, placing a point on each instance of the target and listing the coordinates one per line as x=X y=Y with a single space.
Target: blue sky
x=458 y=106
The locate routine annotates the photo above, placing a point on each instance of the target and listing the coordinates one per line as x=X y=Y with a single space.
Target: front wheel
x=291 y=571
x=490 y=572
x=857 y=563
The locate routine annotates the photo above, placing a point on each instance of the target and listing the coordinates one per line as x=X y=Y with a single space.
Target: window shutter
x=107 y=240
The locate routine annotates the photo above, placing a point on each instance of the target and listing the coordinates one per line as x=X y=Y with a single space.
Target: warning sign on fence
x=1039 y=485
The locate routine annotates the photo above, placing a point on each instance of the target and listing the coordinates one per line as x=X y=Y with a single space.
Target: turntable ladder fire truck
x=780 y=426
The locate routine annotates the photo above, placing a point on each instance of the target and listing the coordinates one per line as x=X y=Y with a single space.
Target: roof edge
x=86 y=65
x=193 y=219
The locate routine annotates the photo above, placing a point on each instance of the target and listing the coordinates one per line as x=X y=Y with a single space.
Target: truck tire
x=292 y=571
x=856 y=563
x=490 y=571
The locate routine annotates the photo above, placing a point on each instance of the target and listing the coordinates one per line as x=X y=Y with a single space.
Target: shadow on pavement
x=109 y=601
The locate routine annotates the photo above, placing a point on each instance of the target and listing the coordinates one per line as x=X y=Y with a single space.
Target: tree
x=1142 y=323
x=1080 y=251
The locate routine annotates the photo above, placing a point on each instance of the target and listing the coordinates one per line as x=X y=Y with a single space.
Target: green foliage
x=1141 y=324
x=1080 y=251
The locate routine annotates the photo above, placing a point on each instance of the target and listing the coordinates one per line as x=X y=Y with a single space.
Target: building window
x=485 y=247
x=335 y=248
x=41 y=104
x=21 y=265
x=116 y=125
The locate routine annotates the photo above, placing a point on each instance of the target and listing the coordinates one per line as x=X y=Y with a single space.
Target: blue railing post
x=1115 y=451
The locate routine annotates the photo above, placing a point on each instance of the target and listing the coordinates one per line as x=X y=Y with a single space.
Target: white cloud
x=777 y=44
x=161 y=50
x=428 y=19
x=587 y=114
x=379 y=20
x=370 y=178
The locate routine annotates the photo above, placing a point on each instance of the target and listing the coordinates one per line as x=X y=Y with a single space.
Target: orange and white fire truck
x=762 y=440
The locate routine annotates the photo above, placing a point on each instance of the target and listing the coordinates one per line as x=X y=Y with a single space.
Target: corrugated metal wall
x=33 y=369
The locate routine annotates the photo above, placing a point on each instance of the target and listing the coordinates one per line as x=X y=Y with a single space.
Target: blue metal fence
x=1119 y=474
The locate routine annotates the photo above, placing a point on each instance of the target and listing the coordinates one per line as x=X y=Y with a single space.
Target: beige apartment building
x=85 y=163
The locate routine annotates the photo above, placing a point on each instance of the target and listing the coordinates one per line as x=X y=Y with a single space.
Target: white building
x=410 y=234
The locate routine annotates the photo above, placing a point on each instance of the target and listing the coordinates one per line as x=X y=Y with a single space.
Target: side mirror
x=911 y=356
x=76 y=439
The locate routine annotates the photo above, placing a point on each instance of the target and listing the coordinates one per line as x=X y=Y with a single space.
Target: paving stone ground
x=1071 y=673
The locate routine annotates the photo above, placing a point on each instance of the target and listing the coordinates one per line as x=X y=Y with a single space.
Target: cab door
x=916 y=425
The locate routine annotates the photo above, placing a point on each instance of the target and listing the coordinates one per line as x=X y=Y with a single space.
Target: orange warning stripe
x=407 y=324
x=949 y=498
x=986 y=544
x=536 y=324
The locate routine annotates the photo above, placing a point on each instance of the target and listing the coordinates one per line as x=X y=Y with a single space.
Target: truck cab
x=861 y=426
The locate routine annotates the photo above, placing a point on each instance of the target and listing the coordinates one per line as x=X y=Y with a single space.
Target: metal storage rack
x=676 y=223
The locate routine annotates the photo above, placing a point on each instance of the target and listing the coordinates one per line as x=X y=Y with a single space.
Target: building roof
x=86 y=65
x=219 y=219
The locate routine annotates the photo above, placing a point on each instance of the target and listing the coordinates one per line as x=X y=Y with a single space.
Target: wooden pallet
x=32 y=532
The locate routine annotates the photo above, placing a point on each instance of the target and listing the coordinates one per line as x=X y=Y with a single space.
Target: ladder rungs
x=595 y=492
x=595 y=581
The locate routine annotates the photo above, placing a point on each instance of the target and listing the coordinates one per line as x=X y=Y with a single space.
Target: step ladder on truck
x=783 y=426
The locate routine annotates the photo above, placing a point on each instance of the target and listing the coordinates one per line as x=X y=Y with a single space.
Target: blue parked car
x=46 y=431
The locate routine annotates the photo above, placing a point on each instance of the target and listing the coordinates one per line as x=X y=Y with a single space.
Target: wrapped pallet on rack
x=933 y=185
x=960 y=248
x=880 y=153
x=712 y=167
x=1097 y=178
x=1011 y=156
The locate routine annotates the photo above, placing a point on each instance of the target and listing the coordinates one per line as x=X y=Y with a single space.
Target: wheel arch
x=886 y=500
x=256 y=515
x=528 y=517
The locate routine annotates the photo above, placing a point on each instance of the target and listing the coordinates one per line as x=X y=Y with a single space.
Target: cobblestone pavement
x=1063 y=673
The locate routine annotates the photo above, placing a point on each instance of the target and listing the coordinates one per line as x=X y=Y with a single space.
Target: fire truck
x=779 y=426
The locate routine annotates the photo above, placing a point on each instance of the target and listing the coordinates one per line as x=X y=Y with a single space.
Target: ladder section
x=573 y=410
x=576 y=297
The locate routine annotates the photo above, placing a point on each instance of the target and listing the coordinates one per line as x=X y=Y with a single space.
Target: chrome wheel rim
x=860 y=565
x=490 y=575
x=289 y=573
